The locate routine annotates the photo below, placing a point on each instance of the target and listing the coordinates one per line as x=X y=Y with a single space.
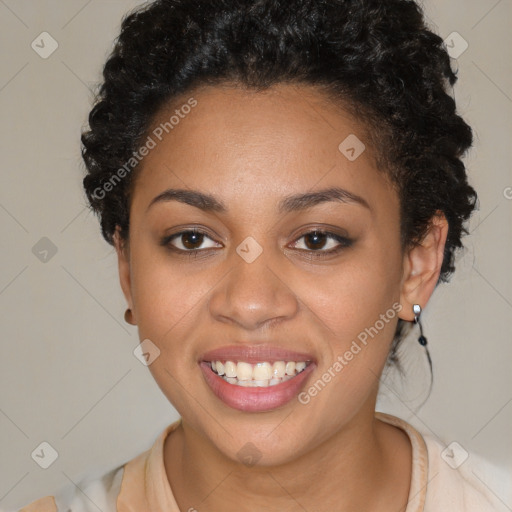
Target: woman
x=283 y=185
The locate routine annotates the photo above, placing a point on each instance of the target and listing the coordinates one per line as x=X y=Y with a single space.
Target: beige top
x=442 y=480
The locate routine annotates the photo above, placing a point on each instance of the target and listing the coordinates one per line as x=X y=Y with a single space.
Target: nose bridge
x=252 y=293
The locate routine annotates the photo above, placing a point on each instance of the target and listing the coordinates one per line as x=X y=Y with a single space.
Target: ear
x=123 y=263
x=422 y=266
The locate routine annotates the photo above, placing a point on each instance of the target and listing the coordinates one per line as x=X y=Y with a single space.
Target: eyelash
x=194 y=253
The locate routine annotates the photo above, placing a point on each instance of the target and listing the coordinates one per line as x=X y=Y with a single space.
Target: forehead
x=250 y=147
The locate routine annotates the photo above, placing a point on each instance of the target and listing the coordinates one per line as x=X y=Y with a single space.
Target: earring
x=128 y=317
x=417 y=312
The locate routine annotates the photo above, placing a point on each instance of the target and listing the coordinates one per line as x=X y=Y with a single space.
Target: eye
x=189 y=241
x=322 y=242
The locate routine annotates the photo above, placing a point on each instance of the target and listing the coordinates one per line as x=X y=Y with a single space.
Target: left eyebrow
x=297 y=202
x=308 y=200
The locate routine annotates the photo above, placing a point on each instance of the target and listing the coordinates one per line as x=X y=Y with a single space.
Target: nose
x=253 y=295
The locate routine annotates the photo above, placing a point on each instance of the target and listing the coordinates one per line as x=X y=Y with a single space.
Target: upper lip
x=254 y=354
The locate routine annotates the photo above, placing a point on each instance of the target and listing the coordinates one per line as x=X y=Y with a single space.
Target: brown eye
x=315 y=240
x=189 y=241
x=322 y=242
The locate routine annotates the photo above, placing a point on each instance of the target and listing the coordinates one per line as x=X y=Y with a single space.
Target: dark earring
x=417 y=312
x=128 y=317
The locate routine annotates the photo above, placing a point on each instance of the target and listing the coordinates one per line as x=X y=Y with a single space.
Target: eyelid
x=343 y=242
x=166 y=241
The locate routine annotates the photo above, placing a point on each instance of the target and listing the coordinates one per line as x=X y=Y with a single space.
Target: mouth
x=261 y=374
x=256 y=378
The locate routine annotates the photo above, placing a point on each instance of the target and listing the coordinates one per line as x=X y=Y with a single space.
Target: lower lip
x=257 y=399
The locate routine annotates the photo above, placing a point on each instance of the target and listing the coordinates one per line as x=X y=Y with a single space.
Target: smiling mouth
x=262 y=374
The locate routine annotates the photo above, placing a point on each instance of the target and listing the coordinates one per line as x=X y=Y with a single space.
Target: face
x=262 y=270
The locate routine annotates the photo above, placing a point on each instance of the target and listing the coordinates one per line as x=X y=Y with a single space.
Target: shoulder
x=445 y=476
x=107 y=488
x=459 y=480
x=93 y=493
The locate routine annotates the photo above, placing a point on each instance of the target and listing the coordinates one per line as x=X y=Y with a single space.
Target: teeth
x=230 y=369
x=290 y=368
x=257 y=375
x=243 y=371
x=260 y=383
x=300 y=366
x=262 y=371
x=279 y=369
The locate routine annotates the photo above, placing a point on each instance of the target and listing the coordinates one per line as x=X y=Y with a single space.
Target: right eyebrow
x=205 y=202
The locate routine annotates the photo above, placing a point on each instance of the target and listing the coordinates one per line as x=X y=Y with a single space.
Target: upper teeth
x=243 y=371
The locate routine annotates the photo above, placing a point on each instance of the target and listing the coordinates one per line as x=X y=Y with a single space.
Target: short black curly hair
x=378 y=59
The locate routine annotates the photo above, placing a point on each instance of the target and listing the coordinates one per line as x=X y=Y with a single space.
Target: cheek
x=354 y=296
x=167 y=296
x=159 y=278
x=355 y=308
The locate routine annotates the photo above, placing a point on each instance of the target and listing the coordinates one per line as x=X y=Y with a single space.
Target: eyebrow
x=297 y=202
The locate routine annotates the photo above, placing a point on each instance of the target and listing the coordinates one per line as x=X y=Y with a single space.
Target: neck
x=366 y=465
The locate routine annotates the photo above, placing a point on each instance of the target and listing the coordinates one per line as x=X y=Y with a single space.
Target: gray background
x=68 y=374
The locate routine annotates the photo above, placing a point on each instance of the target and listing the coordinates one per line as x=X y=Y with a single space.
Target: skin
x=250 y=150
